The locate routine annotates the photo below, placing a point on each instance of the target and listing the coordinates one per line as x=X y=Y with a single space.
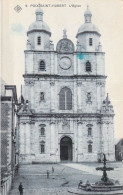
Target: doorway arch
x=66 y=149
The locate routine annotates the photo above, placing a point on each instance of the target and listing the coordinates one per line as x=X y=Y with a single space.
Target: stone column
x=27 y=138
x=79 y=83
x=55 y=63
x=52 y=89
x=21 y=138
x=75 y=97
x=98 y=95
x=75 y=64
x=79 y=66
x=52 y=63
x=79 y=138
x=52 y=137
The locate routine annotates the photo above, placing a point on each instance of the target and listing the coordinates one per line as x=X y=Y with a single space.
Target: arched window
x=42 y=147
x=38 y=40
x=90 y=148
x=88 y=66
x=65 y=99
x=42 y=130
x=42 y=65
x=89 y=131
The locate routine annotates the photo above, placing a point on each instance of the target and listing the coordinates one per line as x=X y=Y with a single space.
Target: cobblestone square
x=65 y=177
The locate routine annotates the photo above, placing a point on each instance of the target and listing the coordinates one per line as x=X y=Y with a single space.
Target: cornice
x=64 y=115
x=38 y=30
x=63 y=76
x=75 y=52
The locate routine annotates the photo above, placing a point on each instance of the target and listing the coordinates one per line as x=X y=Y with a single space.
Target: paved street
x=65 y=177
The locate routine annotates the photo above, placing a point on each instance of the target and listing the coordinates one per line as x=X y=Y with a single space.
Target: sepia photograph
x=61 y=97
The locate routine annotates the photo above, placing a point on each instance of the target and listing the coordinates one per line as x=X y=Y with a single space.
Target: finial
x=39 y=14
x=88 y=15
x=64 y=34
x=107 y=97
x=107 y=100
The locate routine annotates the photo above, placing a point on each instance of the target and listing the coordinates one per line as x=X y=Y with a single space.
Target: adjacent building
x=119 y=150
x=66 y=114
x=8 y=135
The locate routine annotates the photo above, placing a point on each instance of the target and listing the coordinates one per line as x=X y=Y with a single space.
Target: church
x=65 y=113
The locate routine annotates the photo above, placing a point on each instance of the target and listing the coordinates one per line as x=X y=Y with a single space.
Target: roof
x=87 y=27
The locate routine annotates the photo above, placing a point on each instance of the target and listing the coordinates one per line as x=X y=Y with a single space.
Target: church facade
x=65 y=114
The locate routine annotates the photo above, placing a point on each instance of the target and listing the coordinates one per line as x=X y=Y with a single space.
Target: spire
x=107 y=100
x=39 y=14
x=64 y=34
x=88 y=15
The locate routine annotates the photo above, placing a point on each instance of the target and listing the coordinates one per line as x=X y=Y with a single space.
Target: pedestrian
x=20 y=188
x=17 y=167
x=48 y=174
x=80 y=184
x=52 y=169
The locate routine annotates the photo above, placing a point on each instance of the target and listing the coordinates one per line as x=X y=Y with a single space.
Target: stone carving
x=107 y=107
x=79 y=83
x=88 y=98
x=79 y=122
x=42 y=125
x=52 y=122
x=47 y=45
x=65 y=46
x=99 y=83
x=89 y=125
x=52 y=83
x=65 y=124
x=29 y=82
x=41 y=96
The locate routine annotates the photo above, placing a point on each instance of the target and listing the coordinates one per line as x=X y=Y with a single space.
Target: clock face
x=65 y=63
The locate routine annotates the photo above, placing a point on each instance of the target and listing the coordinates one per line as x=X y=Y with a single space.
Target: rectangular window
x=39 y=40
x=89 y=131
x=42 y=148
x=42 y=96
x=90 y=41
x=90 y=148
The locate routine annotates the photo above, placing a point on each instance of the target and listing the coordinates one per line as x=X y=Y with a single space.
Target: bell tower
x=88 y=34
x=38 y=33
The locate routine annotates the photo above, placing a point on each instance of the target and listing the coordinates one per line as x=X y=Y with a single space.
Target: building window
x=39 y=40
x=88 y=66
x=65 y=99
x=42 y=147
x=42 y=66
x=90 y=41
x=42 y=131
x=89 y=131
x=90 y=148
x=42 y=96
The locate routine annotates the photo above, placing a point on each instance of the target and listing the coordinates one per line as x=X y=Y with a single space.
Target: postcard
x=61 y=97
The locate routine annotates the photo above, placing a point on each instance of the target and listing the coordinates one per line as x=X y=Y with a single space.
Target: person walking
x=52 y=169
x=20 y=188
x=48 y=174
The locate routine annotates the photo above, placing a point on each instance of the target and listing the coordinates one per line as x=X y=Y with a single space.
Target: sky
x=107 y=15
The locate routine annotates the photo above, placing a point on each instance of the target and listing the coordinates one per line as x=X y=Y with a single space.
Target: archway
x=66 y=149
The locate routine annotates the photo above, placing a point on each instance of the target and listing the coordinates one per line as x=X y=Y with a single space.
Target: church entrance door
x=66 y=149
